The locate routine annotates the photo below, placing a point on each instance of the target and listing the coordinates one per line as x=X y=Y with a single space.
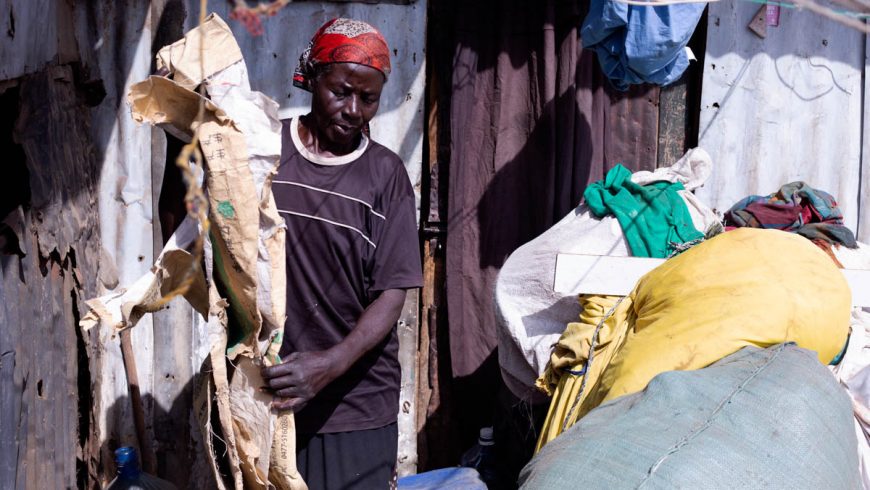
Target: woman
x=352 y=253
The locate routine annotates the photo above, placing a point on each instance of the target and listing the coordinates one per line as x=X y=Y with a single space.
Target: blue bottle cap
x=128 y=462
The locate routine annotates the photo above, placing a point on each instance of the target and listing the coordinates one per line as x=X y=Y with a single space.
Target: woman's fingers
x=294 y=404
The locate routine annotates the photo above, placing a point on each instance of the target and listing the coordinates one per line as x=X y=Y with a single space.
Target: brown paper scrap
x=182 y=58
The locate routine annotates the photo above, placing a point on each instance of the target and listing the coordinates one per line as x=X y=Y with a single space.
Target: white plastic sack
x=531 y=315
x=853 y=371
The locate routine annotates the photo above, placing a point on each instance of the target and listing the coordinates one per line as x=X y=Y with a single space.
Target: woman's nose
x=351 y=108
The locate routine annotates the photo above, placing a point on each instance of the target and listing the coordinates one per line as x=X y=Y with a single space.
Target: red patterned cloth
x=343 y=41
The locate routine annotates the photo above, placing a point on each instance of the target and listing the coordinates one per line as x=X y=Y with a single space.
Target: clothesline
x=851 y=18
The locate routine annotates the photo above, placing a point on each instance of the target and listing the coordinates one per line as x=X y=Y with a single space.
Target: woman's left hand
x=299 y=378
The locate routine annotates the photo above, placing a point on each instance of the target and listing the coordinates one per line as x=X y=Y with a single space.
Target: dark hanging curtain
x=532 y=121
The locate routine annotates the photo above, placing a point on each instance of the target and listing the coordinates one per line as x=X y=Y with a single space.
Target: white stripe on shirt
x=332 y=223
x=287 y=182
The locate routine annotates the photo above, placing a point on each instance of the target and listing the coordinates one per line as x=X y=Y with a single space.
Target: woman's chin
x=339 y=138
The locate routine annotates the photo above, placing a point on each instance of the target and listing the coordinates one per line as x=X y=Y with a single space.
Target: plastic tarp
x=744 y=287
x=444 y=479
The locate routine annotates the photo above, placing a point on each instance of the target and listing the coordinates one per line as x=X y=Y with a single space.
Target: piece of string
x=850 y=18
x=592 y=343
x=250 y=16
x=196 y=204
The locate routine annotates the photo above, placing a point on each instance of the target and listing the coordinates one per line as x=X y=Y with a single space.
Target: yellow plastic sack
x=744 y=287
x=566 y=374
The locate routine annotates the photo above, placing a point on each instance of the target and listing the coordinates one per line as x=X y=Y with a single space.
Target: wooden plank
x=61 y=236
x=38 y=416
x=673 y=121
x=617 y=276
x=408 y=328
x=433 y=444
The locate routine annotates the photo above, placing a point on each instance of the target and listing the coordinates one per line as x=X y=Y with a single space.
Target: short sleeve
x=396 y=262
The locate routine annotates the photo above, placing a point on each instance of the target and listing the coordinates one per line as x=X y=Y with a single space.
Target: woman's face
x=345 y=97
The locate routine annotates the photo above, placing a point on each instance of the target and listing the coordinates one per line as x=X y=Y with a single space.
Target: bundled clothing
x=531 y=314
x=797 y=208
x=654 y=218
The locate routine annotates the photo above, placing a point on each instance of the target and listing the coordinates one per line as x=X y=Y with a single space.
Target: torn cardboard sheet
x=174 y=265
x=250 y=408
x=230 y=90
x=240 y=139
x=234 y=207
x=182 y=58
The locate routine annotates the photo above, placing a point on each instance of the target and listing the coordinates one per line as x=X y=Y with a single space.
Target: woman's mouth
x=344 y=129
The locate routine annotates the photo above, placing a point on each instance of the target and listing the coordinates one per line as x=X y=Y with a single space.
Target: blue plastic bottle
x=130 y=477
x=482 y=458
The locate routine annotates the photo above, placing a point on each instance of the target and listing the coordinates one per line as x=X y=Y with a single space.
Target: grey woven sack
x=759 y=418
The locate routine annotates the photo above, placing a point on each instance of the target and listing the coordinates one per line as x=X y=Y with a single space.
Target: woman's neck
x=318 y=145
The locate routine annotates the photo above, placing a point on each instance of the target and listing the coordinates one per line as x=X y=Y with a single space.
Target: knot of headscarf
x=343 y=41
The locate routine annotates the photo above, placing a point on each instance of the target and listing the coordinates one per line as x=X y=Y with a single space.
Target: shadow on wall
x=177 y=444
x=532 y=121
x=536 y=188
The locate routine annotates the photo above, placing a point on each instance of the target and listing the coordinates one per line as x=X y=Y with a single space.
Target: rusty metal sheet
x=631 y=130
x=41 y=351
x=27 y=27
x=620 y=127
x=38 y=420
x=784 y=108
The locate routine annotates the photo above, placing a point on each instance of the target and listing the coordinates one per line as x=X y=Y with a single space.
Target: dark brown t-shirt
x=351 y=233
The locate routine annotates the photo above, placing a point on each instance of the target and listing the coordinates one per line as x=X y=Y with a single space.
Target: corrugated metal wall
x=86 y=225
x=64 y=71
x=787 y=107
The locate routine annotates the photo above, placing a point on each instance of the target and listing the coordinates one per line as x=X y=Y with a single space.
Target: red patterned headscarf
x=343 y=41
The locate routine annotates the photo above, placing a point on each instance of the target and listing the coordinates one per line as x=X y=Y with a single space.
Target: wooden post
x=146 y=451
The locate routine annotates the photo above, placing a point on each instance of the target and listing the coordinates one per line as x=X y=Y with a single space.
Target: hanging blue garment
x=639 y=44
